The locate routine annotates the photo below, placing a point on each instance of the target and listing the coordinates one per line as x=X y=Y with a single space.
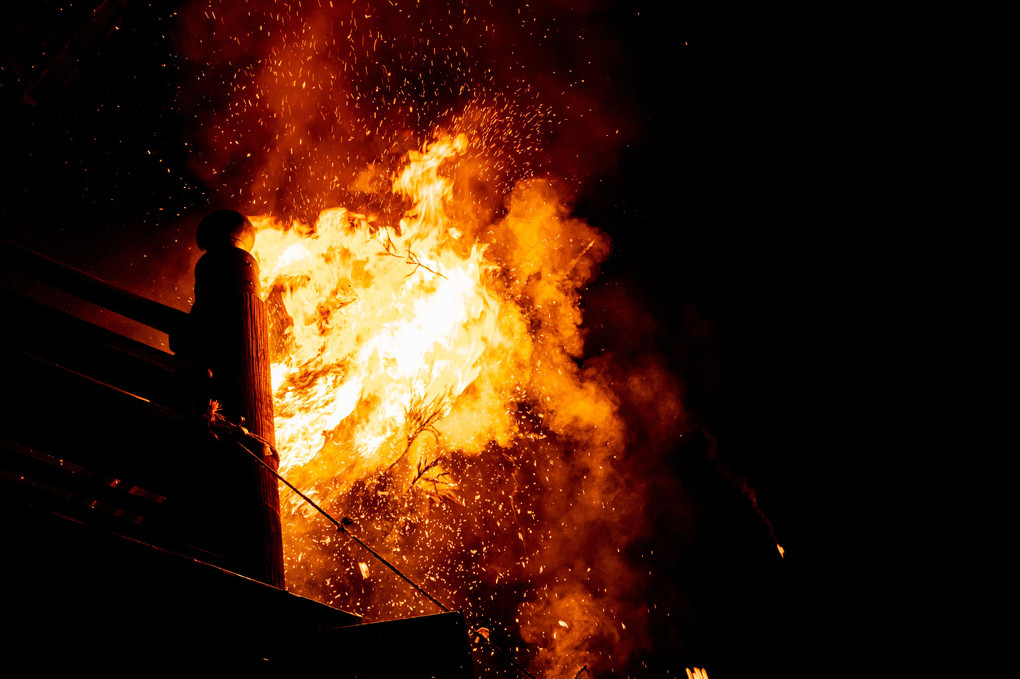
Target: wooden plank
x=92 y=289
x=88 y=599
x=111 y=358
x=40 y=478
x=207 y=483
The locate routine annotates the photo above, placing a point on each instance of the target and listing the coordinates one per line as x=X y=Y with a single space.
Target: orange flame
x=385 y=326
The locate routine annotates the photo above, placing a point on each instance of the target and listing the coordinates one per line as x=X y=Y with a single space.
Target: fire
x=406 y=350
x=431 y=376
x=384 y=327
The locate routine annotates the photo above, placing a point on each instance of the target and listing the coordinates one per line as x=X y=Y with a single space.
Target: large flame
x=385 y=328
x=406 y=349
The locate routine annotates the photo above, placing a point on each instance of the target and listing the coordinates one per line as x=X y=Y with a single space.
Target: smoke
x=292 y=101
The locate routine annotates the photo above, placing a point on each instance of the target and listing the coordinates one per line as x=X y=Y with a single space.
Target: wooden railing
x=114 y=435
x=109 y=431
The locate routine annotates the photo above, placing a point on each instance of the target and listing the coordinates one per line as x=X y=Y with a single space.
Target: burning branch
x=421 y=419
x=390 y=249
x=425 y=468
x=442 y=486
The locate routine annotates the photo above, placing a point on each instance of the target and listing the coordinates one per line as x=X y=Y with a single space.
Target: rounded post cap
x=225 y=228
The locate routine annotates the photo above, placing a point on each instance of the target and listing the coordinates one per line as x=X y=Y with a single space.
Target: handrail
x=91 y=289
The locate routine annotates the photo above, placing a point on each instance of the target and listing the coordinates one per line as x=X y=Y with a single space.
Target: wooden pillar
x=231 y=338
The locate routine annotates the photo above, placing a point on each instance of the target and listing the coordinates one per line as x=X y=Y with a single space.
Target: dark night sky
x=95 y=173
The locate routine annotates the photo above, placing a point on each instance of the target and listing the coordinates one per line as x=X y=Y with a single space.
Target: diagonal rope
x=218 y=422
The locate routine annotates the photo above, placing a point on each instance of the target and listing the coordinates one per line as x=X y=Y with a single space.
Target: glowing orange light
x=402 y=347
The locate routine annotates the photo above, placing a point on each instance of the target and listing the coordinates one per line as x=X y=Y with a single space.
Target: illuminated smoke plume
x=415 y=167
x=296 y=102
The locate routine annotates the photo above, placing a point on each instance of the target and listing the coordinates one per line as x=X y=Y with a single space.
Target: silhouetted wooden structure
x=134 y=537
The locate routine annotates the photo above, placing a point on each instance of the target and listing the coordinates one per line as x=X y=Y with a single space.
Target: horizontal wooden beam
x=91 y=289
x=101 y=354
x=115 y=434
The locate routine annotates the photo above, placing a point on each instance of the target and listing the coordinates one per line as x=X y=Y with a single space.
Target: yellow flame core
x=384 y=328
